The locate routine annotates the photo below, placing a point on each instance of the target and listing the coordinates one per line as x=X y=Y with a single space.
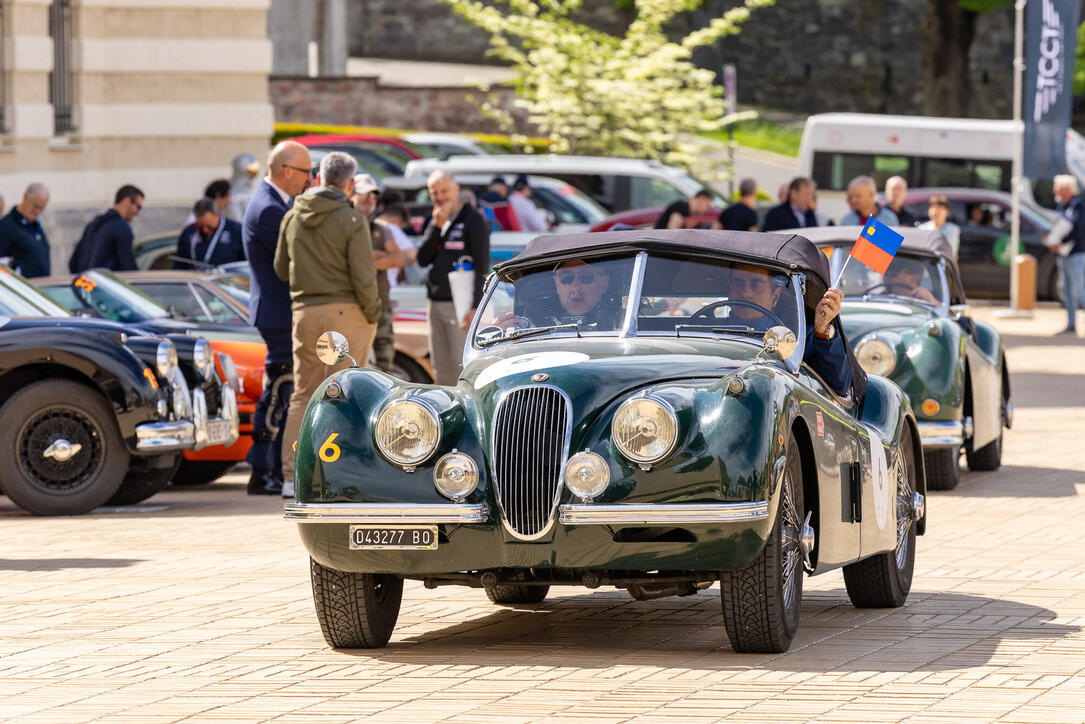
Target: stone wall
x=806 y=56
x=363 y=101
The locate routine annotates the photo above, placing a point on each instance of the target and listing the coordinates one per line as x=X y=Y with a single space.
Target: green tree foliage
x=637 y=95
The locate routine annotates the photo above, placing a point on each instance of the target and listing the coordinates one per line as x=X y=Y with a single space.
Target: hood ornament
x=540 y=377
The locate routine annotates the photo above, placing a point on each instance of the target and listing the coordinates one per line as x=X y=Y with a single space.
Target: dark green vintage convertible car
x=912 y=326
x=630 y=414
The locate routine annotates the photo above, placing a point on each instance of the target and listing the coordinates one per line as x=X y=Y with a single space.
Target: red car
x=646 y=219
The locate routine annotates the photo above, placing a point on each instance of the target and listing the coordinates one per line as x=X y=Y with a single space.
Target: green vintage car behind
x=912 y=326
x=656 y=446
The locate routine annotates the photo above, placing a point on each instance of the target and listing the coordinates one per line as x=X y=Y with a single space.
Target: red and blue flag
x=877 y=245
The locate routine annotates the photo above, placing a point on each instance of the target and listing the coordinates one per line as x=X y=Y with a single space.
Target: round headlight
x=455 y=475
x=876 y=356
x=645 y=429
x=407 y=432
x=203 y=358
x=587 y=475
x=165 y=358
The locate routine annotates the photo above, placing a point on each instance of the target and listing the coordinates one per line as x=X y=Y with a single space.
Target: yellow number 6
x=329 y=451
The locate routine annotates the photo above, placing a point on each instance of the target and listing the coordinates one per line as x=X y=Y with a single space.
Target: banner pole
x=1017 y=171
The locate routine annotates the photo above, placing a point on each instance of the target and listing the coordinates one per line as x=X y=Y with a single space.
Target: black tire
x=884 y=579
x=37 y=416
x=407 y=369
x=355 y=610
x=201 y=472
x=516 y=593
x=761 y=602
x=943 y=467
x=146 y=477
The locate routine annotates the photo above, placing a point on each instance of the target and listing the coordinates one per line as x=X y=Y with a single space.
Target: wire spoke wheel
x=790 y=545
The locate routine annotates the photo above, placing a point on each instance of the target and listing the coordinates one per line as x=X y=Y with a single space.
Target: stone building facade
x=806 y=56
x=157 y=93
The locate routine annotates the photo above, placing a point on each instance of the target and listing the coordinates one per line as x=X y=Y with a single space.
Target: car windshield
x=20 y=294
x=911 y=277
x=234 y=284
x=678 y=297
x=106 y=296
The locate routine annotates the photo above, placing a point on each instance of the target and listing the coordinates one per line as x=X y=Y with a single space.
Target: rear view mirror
x=780 y=342
x=332 y=347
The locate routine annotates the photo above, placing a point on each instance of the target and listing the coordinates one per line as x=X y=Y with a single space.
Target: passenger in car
x=824 y=350
x=903 y=277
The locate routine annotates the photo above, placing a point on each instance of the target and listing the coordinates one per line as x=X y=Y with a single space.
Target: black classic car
x=634 y=411
x=92 y=412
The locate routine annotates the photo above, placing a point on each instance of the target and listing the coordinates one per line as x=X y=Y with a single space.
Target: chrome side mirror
x=779 y=342
x=332 y=347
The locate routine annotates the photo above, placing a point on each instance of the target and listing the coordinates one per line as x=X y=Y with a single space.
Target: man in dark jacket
x=455 y=231
x=326 y=255
x=794 y=212
x=107 y=240
x=288 y=174
x=211 y=239
x=22 y=240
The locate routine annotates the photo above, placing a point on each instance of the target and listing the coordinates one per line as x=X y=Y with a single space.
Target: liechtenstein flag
x=877 y=245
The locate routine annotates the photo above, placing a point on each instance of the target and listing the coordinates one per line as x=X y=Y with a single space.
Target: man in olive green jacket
x=326 y=254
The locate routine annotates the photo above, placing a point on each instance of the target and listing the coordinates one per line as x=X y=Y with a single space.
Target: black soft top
x=786 y=252
x=922 y=242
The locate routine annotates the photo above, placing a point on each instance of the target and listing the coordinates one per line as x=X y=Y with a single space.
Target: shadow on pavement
x=60 y=564
x=1039 y=389
x=1016 y=481
x=932 y=632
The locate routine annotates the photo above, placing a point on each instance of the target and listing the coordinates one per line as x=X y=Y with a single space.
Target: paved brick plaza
x=196 y=606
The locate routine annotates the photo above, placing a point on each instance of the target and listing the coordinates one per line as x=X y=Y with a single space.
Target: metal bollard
x=1023 y=283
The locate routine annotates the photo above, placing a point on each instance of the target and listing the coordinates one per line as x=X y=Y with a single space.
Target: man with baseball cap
x=386 y=255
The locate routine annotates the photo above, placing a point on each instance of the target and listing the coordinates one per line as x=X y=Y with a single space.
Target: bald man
x=289 y=172
x=22 y=240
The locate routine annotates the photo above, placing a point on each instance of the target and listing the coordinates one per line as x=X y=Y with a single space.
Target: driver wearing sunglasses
x=581 y=290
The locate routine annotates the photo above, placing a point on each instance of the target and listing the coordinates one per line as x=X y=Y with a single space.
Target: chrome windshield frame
x=629 y=328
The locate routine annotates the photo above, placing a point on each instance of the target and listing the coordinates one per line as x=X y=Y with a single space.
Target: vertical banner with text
x=1050 y=39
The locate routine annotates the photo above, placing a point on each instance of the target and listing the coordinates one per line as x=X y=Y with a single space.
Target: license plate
x=393 y=537
x=218 y=432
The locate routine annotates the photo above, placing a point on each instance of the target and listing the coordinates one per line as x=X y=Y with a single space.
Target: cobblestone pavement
x=197 y=606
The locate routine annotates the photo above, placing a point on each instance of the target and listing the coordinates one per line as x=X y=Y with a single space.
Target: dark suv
x=985 y=255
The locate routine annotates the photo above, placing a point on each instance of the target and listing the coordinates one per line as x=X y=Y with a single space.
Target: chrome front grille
x=530 y=445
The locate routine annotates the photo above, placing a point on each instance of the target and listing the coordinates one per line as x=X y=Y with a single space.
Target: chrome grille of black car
x=530 y=443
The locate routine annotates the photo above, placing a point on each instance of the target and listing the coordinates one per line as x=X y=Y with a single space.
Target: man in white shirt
x=524 y=208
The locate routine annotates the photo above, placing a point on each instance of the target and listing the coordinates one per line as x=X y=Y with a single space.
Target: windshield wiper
x=530 y=333
x=714 y=329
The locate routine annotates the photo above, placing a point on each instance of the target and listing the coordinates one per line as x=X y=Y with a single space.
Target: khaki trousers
x=309 y=323
x=446 y=341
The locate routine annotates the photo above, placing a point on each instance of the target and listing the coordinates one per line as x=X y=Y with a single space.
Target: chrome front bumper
x=579 y=514
x=189 y=434
x=944 y=434
x=385 y=513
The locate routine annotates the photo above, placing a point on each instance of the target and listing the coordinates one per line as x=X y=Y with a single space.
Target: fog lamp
x=587 y=475
x=455 y=476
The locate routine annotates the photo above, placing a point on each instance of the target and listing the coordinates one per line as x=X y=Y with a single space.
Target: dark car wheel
x=406 y=368
x=884 y=580
x=146 y=477
x=66 y=454
x=201 y=472
x=943 y=467
x=355 y=610
x=516 y=593
x=761 y=602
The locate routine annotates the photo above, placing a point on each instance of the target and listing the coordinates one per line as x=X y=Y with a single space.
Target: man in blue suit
x=796 y=211
x=210 y=239
x=288 y=174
